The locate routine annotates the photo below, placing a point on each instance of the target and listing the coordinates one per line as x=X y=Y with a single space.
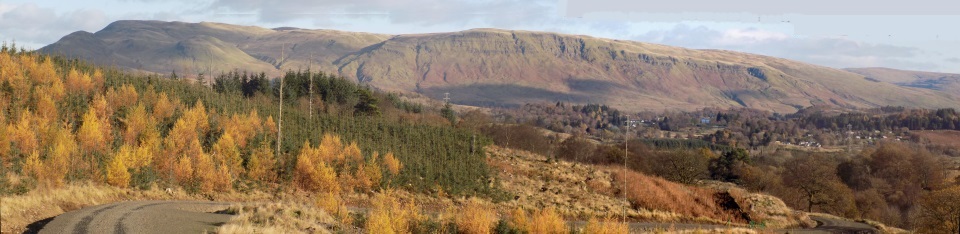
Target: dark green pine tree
x=448 y=113
x=367 y=105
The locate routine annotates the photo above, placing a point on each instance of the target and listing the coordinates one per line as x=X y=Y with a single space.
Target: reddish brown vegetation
x=660 y=194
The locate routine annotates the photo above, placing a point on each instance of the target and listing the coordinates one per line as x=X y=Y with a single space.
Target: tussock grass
x=278 y=217
x=605 y=226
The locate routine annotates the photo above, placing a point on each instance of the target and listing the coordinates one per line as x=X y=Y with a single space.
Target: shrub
x=332 y=204
x=520 y=220
x=605 y=226
x=548 y=221
x=476 y=218
x=656 y=193
x=389 y=215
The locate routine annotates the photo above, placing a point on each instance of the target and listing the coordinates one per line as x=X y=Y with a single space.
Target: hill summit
x=493 y=67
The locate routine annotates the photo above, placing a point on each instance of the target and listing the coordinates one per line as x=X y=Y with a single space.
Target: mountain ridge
x=496 y=67
x=944 y=82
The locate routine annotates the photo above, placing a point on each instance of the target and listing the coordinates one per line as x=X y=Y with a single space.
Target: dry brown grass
x=278 y=217
x=656 y=193
x=605 y=226
x=476 y=218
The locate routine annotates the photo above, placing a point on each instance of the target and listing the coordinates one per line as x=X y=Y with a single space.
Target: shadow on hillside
x=505 y=95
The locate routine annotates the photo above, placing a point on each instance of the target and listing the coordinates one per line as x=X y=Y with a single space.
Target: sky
x=912 y=35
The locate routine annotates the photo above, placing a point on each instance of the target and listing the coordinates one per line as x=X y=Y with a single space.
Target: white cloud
x=749 y=36
x=33 y=26
x=827 y=51
x=417 y=12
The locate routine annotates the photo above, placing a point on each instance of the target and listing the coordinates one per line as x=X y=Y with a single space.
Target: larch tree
x=62 y=151
x=91 y=134
x=117 y=171
x=262 y=164
x=225 y=152
x=136 y=122
x=23 y=134
x=164 y=108
x=312 y=174
x=392 y=164
x=78 y=83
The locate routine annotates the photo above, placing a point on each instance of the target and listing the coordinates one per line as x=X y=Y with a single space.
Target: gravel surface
x=142 y=217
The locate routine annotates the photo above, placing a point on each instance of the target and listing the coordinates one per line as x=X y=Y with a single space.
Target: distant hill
x=492 y=67
x=946 y=82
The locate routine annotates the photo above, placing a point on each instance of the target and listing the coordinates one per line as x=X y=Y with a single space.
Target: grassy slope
x=517 y=66
x=946 y=82
x=499 y=67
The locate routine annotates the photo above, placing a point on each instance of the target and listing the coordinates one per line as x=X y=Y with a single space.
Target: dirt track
x=831 y=225
x=199 y=217
x=141 y=217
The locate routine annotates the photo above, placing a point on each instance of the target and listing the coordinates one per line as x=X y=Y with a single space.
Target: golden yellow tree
x=136 y=122
x=42 y=73
x=33 y=166
x=261 y=164
x=127 y=95
x=4 y=137
x=97 y=80
x=270 y=126
x=184 y=138
x=242 y=127
x=23 y=135
x=78 y=83
x=392 y=164
x=57 y=90
x=62 y=151
x=91 y=134
x=222 y=180
x=164 y=108
x=368 y=175
x=44 y=105
x=101 y=107
x=312 y=174
x=134 y=157
x=225 y=152
x=352 y=154
x=117 y=172
x=183 y=171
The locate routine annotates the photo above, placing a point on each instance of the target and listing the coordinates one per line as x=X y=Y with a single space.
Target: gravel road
x=141 y=217
x=199 y=216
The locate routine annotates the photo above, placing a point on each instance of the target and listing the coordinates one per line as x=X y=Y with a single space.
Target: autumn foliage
x=476 y=218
